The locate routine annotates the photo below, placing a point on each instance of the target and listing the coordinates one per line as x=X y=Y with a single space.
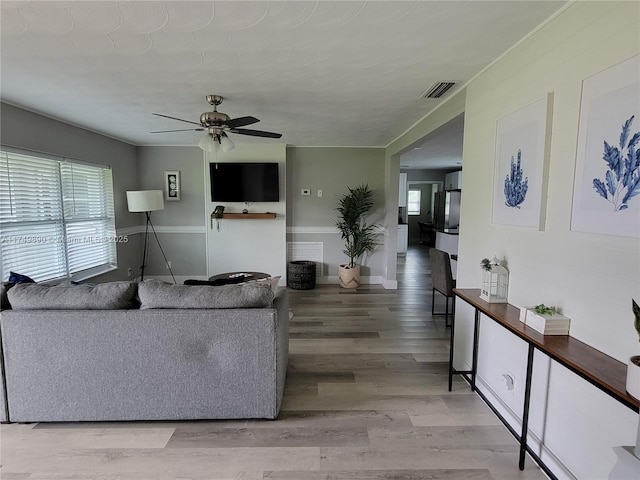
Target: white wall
x=592 y=278
x=248 y=245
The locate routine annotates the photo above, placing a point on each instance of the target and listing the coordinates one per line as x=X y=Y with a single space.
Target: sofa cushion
x=156 y=294
x=103 y=296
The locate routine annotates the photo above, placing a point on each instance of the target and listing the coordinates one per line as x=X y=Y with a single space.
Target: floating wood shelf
x=249 y=216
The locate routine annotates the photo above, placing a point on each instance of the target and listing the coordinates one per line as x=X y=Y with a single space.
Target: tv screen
x=244 y=182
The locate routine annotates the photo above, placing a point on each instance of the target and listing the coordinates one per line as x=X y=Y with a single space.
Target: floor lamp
x=148 y=201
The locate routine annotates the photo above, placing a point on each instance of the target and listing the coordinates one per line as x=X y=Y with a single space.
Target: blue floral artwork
x=622 y=180
x=521 y=158
x=515 y=188
x=607 y=174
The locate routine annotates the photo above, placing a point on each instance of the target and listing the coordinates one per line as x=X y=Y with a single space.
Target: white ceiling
x=440 y=150
x=320 y=73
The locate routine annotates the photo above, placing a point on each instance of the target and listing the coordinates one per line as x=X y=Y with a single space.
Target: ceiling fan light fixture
x=226 y=143
x=207 y=143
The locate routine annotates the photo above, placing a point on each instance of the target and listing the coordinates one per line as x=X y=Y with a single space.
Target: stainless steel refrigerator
x=447 y=210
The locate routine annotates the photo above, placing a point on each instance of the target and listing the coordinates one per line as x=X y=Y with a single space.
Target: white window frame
x=57 y=218
x=409 y=203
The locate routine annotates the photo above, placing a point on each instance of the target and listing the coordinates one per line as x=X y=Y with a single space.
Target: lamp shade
x=226 y=142
x=145 y=200
x=207 y=143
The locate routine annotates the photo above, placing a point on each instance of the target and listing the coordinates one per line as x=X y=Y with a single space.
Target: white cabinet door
x=402 y=192
x=453 y=180
x=403 y=239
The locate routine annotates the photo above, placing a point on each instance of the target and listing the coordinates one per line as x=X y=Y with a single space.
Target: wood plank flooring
x=366 y=399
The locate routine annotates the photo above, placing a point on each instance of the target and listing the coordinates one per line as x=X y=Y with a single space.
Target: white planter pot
x=633 y=389
x=554 y=324
x=349 y=277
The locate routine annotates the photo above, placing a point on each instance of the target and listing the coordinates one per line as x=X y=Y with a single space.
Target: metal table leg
x=476 y=336
x=525 y=411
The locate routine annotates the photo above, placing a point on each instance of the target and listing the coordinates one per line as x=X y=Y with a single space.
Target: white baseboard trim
x=547 y=456
x=390 y=284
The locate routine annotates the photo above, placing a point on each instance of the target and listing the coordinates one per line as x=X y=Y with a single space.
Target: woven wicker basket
x=301 y=275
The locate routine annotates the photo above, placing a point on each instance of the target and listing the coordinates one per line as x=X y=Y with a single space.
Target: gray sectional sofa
x=153 y=351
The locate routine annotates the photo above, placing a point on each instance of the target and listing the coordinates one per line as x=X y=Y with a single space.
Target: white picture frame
x=609 y=106
x=521 y=167
x=172 y=185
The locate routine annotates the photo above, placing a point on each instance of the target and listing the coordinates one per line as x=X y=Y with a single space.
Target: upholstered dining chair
x=443 y=282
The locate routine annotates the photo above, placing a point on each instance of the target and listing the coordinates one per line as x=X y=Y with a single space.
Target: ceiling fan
x=216 y=124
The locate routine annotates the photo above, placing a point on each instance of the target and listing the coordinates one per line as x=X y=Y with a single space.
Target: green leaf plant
x=485 y=263
x=542 y=309
x=358 y=235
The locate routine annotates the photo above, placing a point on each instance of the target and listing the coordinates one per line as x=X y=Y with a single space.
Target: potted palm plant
x=358 y=235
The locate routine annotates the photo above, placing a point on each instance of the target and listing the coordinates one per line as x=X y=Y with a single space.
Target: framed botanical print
x=606 y=189
x=172 y=185
x=521 y=165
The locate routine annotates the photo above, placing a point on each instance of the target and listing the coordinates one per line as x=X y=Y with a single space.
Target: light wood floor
x=366 y=398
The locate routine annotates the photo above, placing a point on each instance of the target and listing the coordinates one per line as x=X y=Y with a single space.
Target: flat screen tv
x=244 y=182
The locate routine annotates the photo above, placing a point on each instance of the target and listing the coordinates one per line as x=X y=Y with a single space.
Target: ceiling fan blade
x=179 y=119
x=181 y=130
x=241 y=121
x=255 y=133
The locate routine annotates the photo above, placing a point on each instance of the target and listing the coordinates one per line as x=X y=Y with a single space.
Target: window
x=413 y=202
x=56 y=218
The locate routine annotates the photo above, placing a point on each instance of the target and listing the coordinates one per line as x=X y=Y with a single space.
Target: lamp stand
x=146 y=248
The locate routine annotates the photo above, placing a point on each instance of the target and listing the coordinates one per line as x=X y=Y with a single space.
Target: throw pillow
x=273 y=281
x=103 y=296
x=4 y=301
x=19 y=278
x=155 y=294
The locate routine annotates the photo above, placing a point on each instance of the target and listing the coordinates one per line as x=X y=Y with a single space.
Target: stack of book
x=547 y=324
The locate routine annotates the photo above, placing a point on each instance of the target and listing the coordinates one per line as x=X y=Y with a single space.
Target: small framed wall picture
x=172 y=185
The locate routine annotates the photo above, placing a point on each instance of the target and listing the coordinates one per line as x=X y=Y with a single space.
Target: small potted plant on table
x=633 y=367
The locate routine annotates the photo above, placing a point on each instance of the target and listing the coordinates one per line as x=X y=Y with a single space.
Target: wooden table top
x=599 y=369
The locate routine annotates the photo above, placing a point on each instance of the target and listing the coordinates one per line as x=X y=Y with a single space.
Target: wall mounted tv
x=244 y=182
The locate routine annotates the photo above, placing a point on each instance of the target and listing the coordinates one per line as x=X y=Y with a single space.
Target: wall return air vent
x=438 y=90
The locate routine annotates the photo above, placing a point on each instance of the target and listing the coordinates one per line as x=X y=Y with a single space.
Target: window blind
x=413 y=202
x=56 y=218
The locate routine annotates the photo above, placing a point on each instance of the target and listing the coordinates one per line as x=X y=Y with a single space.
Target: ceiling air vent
x=438 y=90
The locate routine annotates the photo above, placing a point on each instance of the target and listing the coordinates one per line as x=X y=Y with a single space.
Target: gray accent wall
x=30 y=131
x=180 y=227
x=312 y=218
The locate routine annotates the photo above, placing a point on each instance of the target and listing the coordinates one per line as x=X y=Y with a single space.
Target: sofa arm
x=281 y=304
